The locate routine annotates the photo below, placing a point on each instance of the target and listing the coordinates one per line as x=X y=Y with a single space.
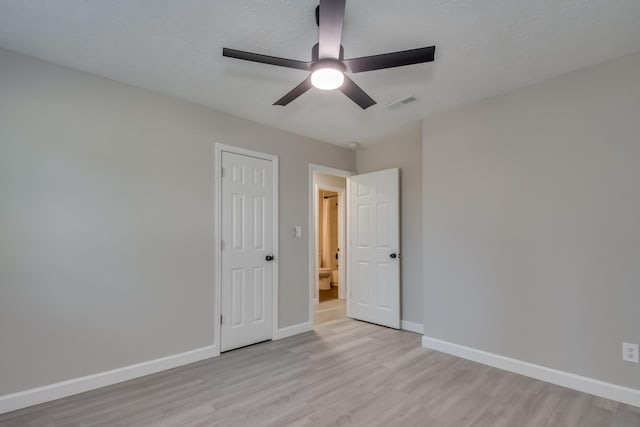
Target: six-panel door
x=374 y=267
x=247 y=242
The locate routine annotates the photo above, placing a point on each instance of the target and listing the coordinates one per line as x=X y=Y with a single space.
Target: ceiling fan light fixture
x=327 y=78
x=327 y=75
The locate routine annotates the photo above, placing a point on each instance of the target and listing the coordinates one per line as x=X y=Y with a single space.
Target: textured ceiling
x=174 y=46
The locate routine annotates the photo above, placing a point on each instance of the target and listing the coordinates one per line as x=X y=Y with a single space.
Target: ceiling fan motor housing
x=314 y=52
x=328 y=63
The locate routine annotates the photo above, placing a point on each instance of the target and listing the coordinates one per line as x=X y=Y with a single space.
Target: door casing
x=217 y=244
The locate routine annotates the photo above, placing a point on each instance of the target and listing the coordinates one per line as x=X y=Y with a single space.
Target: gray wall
x=532 y=223
x=404 y=151
x=106 y=221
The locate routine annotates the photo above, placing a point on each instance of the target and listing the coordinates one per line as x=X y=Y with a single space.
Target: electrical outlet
x=630 y=352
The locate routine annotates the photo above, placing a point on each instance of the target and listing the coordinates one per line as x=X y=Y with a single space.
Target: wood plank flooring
x=328 y=294
x=345 y=372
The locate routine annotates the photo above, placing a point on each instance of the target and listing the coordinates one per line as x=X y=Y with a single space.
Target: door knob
x=269 y=258
x=393 y=256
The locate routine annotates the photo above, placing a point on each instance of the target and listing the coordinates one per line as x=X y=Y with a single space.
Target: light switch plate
x=297 y=231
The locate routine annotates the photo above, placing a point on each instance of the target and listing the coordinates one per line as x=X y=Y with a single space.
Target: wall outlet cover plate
x=630 y=352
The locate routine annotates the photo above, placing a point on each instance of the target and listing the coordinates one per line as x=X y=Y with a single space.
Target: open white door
x=374 y=242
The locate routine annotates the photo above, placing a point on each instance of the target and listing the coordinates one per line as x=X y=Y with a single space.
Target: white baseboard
x=293 y=330
x=615 y=392
x=418 y=328
x=34 y=396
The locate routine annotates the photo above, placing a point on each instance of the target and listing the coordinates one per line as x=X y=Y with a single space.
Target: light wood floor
x=328 y=294
x=344 y=373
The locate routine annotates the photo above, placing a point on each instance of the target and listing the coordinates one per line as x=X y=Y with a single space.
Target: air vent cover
x=394 y=105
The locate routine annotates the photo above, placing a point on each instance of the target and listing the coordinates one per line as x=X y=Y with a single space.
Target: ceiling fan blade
x=356 y=94
x=330 y=20
x=265 y=59
x=390 y=60
x=295 y=92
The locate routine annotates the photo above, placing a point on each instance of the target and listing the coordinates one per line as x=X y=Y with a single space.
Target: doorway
x=327 y=246
x=329 y=230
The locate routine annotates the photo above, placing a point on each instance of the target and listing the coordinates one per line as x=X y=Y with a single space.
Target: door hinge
x=221 y=319
x=221 y=172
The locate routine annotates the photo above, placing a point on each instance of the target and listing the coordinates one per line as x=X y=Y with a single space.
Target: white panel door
x=374 y=261
x=247 y=244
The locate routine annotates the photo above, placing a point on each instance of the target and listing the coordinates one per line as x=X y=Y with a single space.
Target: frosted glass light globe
x=327 y=78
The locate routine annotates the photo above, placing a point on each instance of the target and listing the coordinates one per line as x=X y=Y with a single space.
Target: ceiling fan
x=328 y=66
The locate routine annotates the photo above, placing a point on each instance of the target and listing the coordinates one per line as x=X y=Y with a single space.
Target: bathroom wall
x=330 y=180
x=332 y=208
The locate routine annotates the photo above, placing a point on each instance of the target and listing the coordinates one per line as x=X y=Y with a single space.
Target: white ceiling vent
x=394 y=105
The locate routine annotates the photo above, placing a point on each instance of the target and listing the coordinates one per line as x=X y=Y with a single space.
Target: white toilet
x=324 y=274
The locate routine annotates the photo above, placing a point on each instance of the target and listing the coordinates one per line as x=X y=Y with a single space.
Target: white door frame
x=312 y=232
x=341 y=238
x=217 y=242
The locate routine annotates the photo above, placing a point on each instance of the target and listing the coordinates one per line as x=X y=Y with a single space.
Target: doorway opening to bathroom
x=329 y=231
x=328 y=244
